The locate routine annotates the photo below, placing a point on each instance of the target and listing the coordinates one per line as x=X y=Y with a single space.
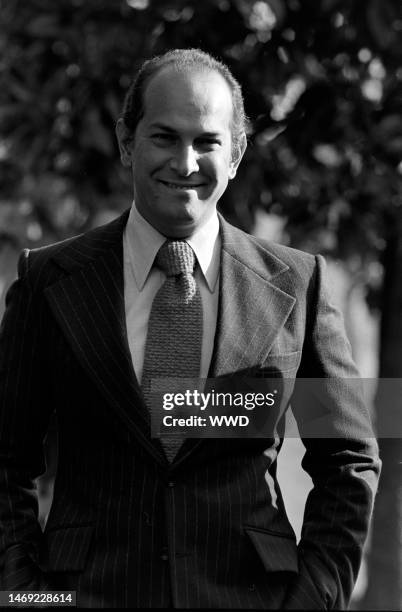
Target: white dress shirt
x=141 y=243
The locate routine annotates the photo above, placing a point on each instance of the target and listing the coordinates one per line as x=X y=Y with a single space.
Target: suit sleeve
x=341 y=458
x=24 y=414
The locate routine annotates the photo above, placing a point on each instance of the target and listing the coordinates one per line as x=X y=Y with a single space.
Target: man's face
x=181 y=155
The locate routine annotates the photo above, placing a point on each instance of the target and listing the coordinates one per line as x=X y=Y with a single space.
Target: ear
x=237 y=155
x=125 y=140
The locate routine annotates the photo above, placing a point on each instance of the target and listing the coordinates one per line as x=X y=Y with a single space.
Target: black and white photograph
x=201 y=304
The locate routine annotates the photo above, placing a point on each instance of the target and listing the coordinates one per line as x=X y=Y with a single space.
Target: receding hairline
x=183 y=71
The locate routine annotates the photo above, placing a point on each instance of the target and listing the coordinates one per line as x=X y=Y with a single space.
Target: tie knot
x=175 y=257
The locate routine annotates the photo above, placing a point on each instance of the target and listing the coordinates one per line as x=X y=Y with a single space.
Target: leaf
x=45 y=26
x=380 y=15
x=95 y=135
x=20 y=91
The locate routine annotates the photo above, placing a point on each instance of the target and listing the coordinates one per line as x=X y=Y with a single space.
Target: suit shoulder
x=285 y=252
x=44 y=265
x=300 y=263
x=297 y=260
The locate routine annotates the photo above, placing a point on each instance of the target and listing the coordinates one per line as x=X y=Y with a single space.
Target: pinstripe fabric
x=210 y=530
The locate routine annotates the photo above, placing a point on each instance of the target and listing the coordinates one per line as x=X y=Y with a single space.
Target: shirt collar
x=206 y=244
x=144 y=241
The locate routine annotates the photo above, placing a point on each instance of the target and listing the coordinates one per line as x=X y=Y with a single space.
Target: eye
x=163 y=138
x=208 y=143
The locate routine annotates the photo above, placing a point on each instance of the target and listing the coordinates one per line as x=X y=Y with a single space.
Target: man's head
x=183 y=134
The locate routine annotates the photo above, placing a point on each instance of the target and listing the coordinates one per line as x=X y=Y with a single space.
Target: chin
x=185 y=212
x=180 y=229
x=183 y=226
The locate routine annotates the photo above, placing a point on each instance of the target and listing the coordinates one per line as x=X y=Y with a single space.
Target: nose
x=185 y=161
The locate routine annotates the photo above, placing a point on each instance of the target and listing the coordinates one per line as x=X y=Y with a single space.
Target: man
x=139 y=522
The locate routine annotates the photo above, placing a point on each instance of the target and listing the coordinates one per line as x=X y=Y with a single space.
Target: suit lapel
x=252 y=308
x=89 y=306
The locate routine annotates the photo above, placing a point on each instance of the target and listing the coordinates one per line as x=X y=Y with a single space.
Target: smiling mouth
x=181 y=186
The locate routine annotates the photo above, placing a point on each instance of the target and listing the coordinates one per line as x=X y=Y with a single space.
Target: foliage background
x=322 y=83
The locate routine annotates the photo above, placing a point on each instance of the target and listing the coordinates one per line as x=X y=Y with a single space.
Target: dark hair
x=182 y=59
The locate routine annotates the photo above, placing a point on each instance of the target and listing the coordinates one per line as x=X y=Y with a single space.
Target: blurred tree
x=323 y=83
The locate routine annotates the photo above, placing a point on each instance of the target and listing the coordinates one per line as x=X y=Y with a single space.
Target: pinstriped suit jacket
x=210 y=530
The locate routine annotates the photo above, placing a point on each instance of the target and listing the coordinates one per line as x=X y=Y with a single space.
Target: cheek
x=147 y=159
x=221 y=170
x=216 y=166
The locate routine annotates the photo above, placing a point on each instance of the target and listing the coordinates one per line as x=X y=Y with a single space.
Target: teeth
x=183 y=187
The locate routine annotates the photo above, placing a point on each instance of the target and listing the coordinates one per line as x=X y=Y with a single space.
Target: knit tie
x=174 y=338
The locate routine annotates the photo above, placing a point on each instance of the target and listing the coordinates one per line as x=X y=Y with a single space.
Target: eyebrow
x=166 y=128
